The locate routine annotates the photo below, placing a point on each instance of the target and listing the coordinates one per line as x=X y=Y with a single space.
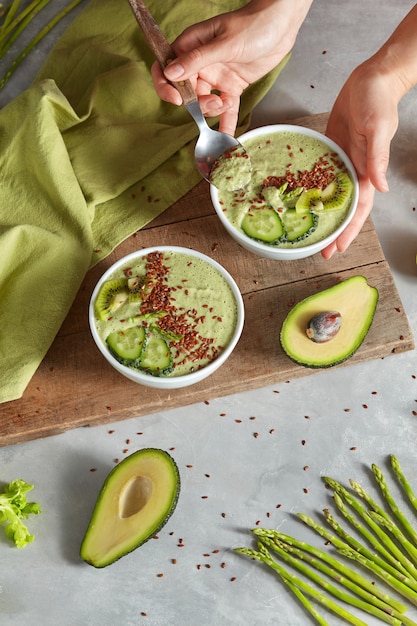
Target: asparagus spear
x=335 y=564
x=402 y=588
x=403 y=481
x=17 y=27
x=36 y=40
x=399 y=536
x=11 y=24
x=392 y=504
x=264 y=556
x=382 y=542
x=402 y=584
x=306 y=603
x=340 y=594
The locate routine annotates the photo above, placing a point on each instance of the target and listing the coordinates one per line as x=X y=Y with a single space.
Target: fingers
x=365 y=204
x=163 y=88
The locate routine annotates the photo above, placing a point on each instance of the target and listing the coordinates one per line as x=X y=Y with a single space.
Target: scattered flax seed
x=204 y=497
x=256 y=435
x=278 y=506
x=207 y=565
x=160 y=575
x=109 y=408
x=365 y=406
x=116 y=460
x=127 y=441
x=206 y=402
x=144 y=614
x=222 y=414
x=306 y=468
x=174 y=561
x=125 y=451
x=238 y=421
x=272 y=430
x=306 y=417
x=305 y=490
x=303 y=442
x=216 y=551
x=139 y=433
x=374 y=393
x=206 y=554
x=252 y=418
x=223 y=565
x=232 y=580
x=111 y=432
x=398 y=309
x=93 y=469
x=207 y=475
x=189 y=466
x=198 y=566
x=223 y=514
x=258 y=522
x=268 y=514
x=346 y=410
x=402 y=337
x=353 y=448
x=275 y=391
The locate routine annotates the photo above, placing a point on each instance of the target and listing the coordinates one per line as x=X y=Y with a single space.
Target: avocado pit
x=324 y=326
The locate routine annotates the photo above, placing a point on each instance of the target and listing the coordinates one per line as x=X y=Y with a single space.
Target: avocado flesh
x=136 y=500
x=354 y=299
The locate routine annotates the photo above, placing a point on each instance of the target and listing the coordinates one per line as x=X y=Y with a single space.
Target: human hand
x=229 y=52
x=363 y=122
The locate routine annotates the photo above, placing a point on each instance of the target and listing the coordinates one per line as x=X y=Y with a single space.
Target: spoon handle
x=160 y=46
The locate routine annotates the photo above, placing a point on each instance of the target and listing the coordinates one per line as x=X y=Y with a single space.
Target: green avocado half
x=354 y=299
x=135 y=502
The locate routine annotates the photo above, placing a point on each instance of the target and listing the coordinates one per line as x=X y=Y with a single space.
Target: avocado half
x=135 y=502
x=354 y=299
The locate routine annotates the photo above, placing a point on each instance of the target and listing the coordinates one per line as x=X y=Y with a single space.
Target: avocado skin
x=99 y=511
x=348 y=296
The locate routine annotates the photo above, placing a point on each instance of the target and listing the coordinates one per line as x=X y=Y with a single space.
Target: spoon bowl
x=211 y=144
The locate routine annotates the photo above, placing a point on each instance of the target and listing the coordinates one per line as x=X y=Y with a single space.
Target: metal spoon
x=211 y=144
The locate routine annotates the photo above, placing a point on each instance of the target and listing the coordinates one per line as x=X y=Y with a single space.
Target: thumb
x=377 y=160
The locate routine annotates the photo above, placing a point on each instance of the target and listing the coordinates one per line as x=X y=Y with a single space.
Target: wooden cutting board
x=74 y=386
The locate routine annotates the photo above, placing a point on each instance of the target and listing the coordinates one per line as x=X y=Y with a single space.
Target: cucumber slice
x=299 y=225
x=263 y=224
x=156 y=357
x=126 y=345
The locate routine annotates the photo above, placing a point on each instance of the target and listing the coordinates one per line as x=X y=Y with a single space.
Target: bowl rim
x=318 y=245
x=168 y=381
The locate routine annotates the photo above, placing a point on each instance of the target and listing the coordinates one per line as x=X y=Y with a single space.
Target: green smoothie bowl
x=166 y=317
x=301 y=194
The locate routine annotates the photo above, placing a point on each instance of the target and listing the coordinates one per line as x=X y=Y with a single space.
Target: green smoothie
x=298 y=194
x=168 y=314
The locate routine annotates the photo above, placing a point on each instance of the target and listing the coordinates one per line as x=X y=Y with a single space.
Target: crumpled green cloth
x=88 y=155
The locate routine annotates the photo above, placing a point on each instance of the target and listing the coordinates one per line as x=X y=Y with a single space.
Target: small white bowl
x=299 y=252
x=168 y=382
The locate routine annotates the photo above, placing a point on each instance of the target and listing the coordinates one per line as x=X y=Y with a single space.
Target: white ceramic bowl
x=274 y=252
x=168 y=382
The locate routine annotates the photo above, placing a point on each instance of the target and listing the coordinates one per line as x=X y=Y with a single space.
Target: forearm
x=396 y=60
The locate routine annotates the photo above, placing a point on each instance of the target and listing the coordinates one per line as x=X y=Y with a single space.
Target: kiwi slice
x=309 y=200
x=112 y=295
x=338 y=192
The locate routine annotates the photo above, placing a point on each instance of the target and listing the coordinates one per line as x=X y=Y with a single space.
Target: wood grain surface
x=74 y=386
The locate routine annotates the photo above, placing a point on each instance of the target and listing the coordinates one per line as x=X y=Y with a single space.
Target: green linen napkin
x=88 y=155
